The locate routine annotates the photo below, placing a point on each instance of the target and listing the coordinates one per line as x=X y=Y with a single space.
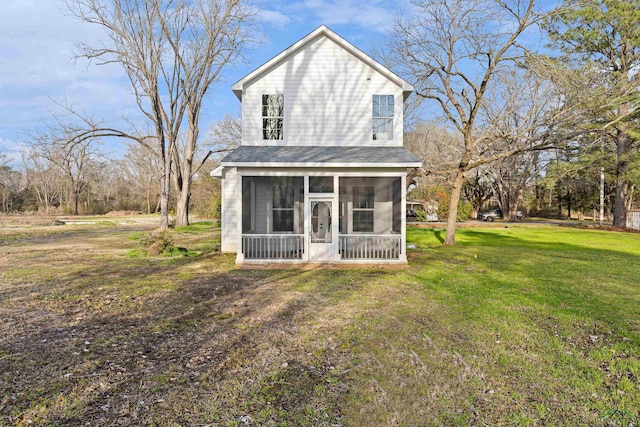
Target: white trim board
x=321 y=165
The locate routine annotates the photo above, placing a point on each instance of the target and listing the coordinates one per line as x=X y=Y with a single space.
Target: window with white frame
x=282 y=211
x=363 y=204
x=383 y=117
x=273 y=117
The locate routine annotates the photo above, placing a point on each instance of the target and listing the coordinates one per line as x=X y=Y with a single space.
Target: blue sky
x=37 y=42
x=36 y=67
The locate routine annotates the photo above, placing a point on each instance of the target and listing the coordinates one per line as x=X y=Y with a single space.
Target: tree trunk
x=183 y=185
x=620 y=209
x=515 y=204
x=622 y=183
x=450 y=239
x=165 y=188
x=149 y=195
x=182 y=207
x=74 y=202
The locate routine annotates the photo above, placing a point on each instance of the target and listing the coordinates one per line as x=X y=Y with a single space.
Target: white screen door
x=320 y=242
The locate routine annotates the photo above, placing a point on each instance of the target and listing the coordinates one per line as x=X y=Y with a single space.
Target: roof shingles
x=321 y=156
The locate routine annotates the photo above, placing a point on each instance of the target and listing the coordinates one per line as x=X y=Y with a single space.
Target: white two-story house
x=320 y=174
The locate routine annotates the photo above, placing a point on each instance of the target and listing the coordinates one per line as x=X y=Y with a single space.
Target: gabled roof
x=317 y=156
x=321 y=31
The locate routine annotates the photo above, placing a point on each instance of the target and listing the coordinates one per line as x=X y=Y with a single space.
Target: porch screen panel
x=396 y=196
x=371 y=218
x=272 y=205
x=363 y=208
x=370 y=205
x=283 y=206
x=248 y=196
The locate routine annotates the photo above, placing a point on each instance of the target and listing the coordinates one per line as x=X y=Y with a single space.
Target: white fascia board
x=217 y=172
x=238 y=86
x=321 y=165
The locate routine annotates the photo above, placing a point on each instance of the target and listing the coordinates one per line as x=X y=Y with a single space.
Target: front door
x=320 y=243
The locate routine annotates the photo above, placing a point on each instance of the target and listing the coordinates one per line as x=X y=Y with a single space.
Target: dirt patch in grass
x=90 y=336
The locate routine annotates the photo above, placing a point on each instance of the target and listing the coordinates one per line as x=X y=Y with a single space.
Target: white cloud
x=274 y=18
x=373 y=16
x=12 y=150
x=37 y=43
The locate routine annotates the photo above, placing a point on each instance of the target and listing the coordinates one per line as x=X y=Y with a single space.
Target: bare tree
x=224 y=135
x=204 y=35
x=477 y=190
x=510 y=177
x=133 y=41
x=140 y=168
x=9 y=184
x=524 y=114
x=438 y=149
x=172 y=52
x=72 y=158
x=43 y=176
x=453 y=49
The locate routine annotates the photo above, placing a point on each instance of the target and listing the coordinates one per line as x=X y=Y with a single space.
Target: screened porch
x=322 y=218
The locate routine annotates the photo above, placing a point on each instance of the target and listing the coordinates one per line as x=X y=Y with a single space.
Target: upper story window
x=382 y=117
x=272 y=116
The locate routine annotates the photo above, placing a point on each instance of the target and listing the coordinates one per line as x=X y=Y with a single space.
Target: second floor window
x=272 y=116
x=382 y=117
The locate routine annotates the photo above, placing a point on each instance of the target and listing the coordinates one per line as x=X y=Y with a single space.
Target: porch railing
x=370 y=246
x=272 y=246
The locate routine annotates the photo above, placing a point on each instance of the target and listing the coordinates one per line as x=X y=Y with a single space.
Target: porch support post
x=307 y=219
x=335 y=218
x=240 y=251
x=403 y=217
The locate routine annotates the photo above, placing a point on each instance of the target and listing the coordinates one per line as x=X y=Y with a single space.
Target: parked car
x=491 y=215
x=421 y=215
x=497 y=214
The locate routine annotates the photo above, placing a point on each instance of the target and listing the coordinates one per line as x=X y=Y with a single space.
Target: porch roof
x=316 y=156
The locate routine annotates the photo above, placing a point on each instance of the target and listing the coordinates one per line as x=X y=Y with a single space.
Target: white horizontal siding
x=230 y=210
x=328 y=99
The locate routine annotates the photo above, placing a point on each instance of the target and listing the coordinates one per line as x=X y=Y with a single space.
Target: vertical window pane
x=283 y=203
x=389 y=111
x=283 y=220
x=272 y=116
x=363 y=221
x=363 y=197
x=283 y=197
x=382 y=120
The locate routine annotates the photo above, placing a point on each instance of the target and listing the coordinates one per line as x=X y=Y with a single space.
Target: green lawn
x=517 y=326
x=512 y=327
